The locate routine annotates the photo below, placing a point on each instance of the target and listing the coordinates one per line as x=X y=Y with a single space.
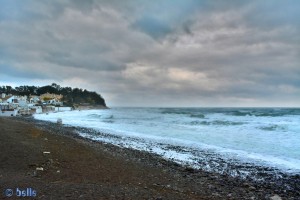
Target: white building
x=54 y=102
x=34 y=99
x=7 y=110
x=37 y=109
x=22 y=103
x=61 y=109
x=8 y=113
x=7 y=99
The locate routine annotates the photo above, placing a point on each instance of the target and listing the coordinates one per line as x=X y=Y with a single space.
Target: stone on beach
x=59 y=121
x=275 y=197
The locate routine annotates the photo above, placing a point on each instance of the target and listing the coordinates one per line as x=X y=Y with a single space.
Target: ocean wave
x=265 y=112
x=240 y=113
x=176 y=112
x=94 y=115
x=108 y=121
x=216 y=122
x=101 y=116
x=269 y=114
x=197 y=116
x=271 y=128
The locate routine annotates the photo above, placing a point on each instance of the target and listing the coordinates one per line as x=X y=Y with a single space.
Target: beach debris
x=39 y=169
x=33 y=165
x=252 y=188
x=249 y=186
x=46 y=152
x=275 y=197
x=34 y=174
x=58 y=171
x=59 y=121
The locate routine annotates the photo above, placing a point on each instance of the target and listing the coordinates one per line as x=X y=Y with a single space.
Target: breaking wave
x=100 y=116
x=265 y=112
x=272 y=128
x=216 y=123
x=197 y=116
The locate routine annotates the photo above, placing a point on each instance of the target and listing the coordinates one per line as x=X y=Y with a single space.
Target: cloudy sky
x=156 y=53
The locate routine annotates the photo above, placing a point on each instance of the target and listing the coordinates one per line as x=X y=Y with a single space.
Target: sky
x=165 y=53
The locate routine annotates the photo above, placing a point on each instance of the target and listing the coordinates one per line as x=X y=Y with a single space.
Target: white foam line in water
x=178 y=157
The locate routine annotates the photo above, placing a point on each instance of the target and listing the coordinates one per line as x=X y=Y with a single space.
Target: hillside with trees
x=71 y=96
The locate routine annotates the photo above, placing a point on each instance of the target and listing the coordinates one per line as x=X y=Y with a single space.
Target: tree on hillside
x=71 y=96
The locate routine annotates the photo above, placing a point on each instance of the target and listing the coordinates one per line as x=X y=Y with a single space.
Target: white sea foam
x=265 y=136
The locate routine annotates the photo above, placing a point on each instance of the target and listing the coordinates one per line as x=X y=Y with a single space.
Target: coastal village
x=12 y=105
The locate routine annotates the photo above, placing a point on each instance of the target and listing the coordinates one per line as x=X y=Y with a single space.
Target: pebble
x=275 y=197
x=252 y=188
x=34 y=174
x=216 y=194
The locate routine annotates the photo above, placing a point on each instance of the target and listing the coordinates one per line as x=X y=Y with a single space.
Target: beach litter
x=39 y=169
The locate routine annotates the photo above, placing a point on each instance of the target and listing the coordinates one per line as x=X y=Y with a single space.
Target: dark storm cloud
x=170 y=52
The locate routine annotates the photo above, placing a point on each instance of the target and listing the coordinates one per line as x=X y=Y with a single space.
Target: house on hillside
x=48 y=96
x=22 y=101
x=51 y=99
x=7 y=99
x=34 y=99
x=54 y=102
x=37 y=109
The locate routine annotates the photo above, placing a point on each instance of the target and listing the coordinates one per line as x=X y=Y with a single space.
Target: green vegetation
x=71 y=96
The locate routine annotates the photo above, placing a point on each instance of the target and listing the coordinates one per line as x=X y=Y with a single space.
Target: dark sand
x=80 y=169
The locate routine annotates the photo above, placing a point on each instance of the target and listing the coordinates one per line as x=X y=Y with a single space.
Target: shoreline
x=183 y=182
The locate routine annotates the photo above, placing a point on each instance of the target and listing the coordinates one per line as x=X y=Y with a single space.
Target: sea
x=212 y=139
